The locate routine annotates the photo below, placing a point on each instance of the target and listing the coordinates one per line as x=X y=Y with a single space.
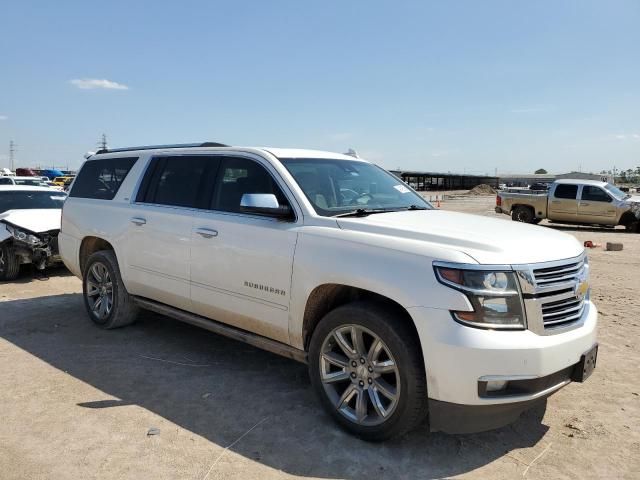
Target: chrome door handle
x=555 y=201
x=583 y=204
x=206 y=232
x=138 y=221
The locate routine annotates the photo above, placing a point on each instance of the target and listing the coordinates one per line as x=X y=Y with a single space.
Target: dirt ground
x=77 y=402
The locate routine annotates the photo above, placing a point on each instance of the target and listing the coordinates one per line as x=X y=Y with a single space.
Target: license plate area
x=587 y=364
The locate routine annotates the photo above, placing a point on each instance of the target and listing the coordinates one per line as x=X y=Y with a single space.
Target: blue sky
x=442 y=86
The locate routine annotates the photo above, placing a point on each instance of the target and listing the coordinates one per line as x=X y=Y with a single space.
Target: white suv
x=399 y=309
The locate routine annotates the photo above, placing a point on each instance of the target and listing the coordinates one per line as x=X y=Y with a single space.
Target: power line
x=102 y=143
x=12 y=151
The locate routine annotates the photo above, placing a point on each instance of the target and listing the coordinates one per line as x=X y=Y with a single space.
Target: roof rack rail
x=157 y=147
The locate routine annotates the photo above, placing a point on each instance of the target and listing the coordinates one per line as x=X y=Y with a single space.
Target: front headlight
x=23 y=236
x=494 y=295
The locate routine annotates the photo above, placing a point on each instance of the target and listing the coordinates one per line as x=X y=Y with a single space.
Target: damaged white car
x=29 y=227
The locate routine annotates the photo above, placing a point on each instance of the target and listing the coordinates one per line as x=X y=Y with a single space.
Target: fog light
x=496 y=385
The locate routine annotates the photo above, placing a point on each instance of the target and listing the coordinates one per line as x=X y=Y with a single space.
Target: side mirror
x=264 y=204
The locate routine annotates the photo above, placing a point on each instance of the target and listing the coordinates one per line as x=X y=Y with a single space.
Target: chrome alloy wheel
x=99 y=290
x=359 y=375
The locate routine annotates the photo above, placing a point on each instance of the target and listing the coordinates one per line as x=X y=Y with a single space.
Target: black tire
x=522 y=214
x=632 y=227
x=123 y=311
x=9 y=262
x=536 y=221
x=393 y=329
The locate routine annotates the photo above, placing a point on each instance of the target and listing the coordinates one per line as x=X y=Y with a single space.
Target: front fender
x=400 y=270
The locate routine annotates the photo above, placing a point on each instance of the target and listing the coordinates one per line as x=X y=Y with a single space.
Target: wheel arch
x=89 y=246
x=523 y=205
x=329 y=296
x=627 y=218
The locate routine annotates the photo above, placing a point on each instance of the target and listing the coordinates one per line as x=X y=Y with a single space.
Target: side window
x=239 y=176
x=5 y=181
x=594 y=194
x=177 y=181
x=101 y=179
x=566 y=191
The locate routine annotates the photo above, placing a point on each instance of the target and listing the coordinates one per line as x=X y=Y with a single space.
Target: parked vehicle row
x=400 y=310
x=31 y=181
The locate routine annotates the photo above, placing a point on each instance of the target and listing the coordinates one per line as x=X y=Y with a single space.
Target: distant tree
x=540 y=171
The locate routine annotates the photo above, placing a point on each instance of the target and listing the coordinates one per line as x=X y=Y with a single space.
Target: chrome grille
x=550 y=294
x=551 y=276
x=562 y=312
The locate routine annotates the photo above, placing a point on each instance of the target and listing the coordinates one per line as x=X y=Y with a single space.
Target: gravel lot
x=78 y=402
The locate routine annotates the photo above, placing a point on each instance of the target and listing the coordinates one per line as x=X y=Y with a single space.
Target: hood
x=633 y=199
x=487 y=240
x=34 y=220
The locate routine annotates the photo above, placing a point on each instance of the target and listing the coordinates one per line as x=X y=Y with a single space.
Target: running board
x=259 y=341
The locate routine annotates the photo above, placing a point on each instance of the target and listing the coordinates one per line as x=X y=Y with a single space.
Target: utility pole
x=12 y=151
x=102 y=144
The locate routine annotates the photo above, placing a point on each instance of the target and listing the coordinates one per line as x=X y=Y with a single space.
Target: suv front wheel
x=365 y=364
x=105 y=297
x=9 y=262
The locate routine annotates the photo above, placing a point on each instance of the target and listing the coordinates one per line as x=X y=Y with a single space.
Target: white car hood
x=487 y=240
x=35 y=220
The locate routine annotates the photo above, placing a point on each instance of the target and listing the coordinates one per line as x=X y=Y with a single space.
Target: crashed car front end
x=38 y=248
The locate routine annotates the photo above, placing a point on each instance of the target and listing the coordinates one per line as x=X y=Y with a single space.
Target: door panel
x=242 y=275
x=158 y=253
x=563 y=203
x=596 y=206
x=241 y=264
x=159 y=234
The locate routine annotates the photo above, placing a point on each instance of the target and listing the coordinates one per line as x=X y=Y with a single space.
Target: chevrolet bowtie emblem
x=581 y=289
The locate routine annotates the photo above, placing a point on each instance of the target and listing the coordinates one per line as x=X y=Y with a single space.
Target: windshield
x=28 y=200
x=615 y=191
x=339 y=186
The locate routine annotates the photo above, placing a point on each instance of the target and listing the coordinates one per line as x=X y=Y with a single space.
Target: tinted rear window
x=101 y=179
x=178 y=181
x=566 y=191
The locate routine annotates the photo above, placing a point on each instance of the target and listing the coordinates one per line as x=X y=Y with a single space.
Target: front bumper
x=457 y=357
x=455 y=418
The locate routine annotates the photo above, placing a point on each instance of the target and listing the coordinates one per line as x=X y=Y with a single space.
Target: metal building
x=428 y=181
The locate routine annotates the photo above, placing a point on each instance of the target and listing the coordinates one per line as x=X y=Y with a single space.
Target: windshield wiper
x=363 y=212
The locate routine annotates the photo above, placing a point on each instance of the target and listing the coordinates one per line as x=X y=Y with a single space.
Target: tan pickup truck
x=585 y=202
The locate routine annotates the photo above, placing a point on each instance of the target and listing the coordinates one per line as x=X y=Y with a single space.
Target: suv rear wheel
x=105 y=297
x=366 y=366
